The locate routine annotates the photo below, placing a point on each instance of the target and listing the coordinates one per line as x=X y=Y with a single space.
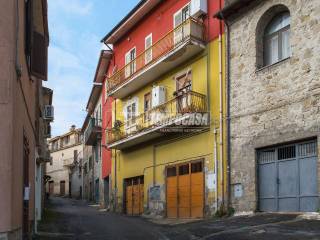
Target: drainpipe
x=154 y=165
x=216 y=167
x=93 y=178
x=115 y=164
x=221 y=113
x=227 y=26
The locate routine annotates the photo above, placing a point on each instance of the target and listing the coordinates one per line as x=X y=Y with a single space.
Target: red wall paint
x=106 y=124
x=158 y=22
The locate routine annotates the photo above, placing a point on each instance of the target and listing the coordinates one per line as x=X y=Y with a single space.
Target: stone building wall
x=275 y=104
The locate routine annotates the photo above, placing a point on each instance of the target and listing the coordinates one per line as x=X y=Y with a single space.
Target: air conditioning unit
x=48 y=112
x=158 y=96
x=198 y=8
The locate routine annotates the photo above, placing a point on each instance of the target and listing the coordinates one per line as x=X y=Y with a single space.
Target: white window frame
x=178 y=39
x=129 y=124
x=146 y=60
x=128 y=70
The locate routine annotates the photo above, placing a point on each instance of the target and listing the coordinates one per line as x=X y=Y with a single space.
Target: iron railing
x=183 y=103
x=92 y=126
x=189 y=29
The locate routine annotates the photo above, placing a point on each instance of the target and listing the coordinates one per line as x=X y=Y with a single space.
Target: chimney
x=72 y=128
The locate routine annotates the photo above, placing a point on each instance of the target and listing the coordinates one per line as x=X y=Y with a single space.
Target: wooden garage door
x=185 y=190
x=172 y=194
x=134 y=196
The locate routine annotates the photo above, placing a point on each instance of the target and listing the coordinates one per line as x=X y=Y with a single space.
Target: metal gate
x=287 y=178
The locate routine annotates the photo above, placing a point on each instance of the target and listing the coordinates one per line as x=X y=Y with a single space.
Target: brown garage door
x=185 y=190
x=134 y=196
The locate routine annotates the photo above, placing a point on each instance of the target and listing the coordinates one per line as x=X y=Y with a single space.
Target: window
x=148 y=48
x=75 y=155
x=183 y=86
x=147 y=107
x=66 y=140
x=98 y=115
x=196 y=167
x=90 y=163
x=171 y=172
x=179 y=17
x=277 y=39
x=130 y=62
x=184 y=169
x=131 y=112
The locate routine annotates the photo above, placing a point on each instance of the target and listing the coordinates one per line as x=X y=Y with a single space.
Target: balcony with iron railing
x=176 y=47
x=69 y=162
x=92 y=132
x=185 y=113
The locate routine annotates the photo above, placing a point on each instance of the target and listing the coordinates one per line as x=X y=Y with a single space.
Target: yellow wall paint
x=139 y=160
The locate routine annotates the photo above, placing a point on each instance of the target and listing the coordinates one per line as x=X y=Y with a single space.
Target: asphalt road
x=71 y=219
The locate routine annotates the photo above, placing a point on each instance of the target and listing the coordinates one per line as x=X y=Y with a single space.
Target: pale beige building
x=64 y=169
x=23 y=66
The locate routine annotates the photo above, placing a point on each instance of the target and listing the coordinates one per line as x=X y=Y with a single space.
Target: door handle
x=278 y=181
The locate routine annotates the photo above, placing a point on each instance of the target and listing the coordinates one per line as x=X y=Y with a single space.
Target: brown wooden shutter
x=39 y=56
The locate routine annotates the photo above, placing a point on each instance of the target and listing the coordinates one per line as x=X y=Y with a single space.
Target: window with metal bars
x=287 y=152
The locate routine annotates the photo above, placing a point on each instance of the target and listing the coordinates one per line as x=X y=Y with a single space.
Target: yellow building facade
x=169 y=159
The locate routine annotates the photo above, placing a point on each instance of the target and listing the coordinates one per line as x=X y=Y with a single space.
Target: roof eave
x=145 y=6
x=232 y=9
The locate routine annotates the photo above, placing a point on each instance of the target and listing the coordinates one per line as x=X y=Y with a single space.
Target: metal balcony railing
x=68 y=161
x=184 y=103
x=92 y=131
x=189 y=29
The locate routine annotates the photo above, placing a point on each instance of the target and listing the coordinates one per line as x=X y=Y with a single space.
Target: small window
x=148 y=49
x=196 y=167
x=277 y=39
x=184 y=169
x=171 y=172
x=130 y=62
x=131 y=112
x=286 y=152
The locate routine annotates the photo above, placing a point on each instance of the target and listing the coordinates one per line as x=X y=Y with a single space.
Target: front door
x=147 y=107
x=106 y=192
x=288 y=178
x=130 y=62
x=185 y=190
x=183 y=86
x=134 y=195
x=51 y=187
x=96 y=197
x=62 y=188
x=181 y=30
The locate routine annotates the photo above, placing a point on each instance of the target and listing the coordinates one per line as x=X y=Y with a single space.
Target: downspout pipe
x=221 y=129
x=228 y=84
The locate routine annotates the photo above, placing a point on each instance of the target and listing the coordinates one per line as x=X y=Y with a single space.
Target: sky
x=76 y=28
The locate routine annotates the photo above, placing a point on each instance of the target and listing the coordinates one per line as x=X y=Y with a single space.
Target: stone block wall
x=274 y=104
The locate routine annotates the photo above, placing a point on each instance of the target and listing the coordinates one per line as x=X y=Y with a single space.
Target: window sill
x=272 y=65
